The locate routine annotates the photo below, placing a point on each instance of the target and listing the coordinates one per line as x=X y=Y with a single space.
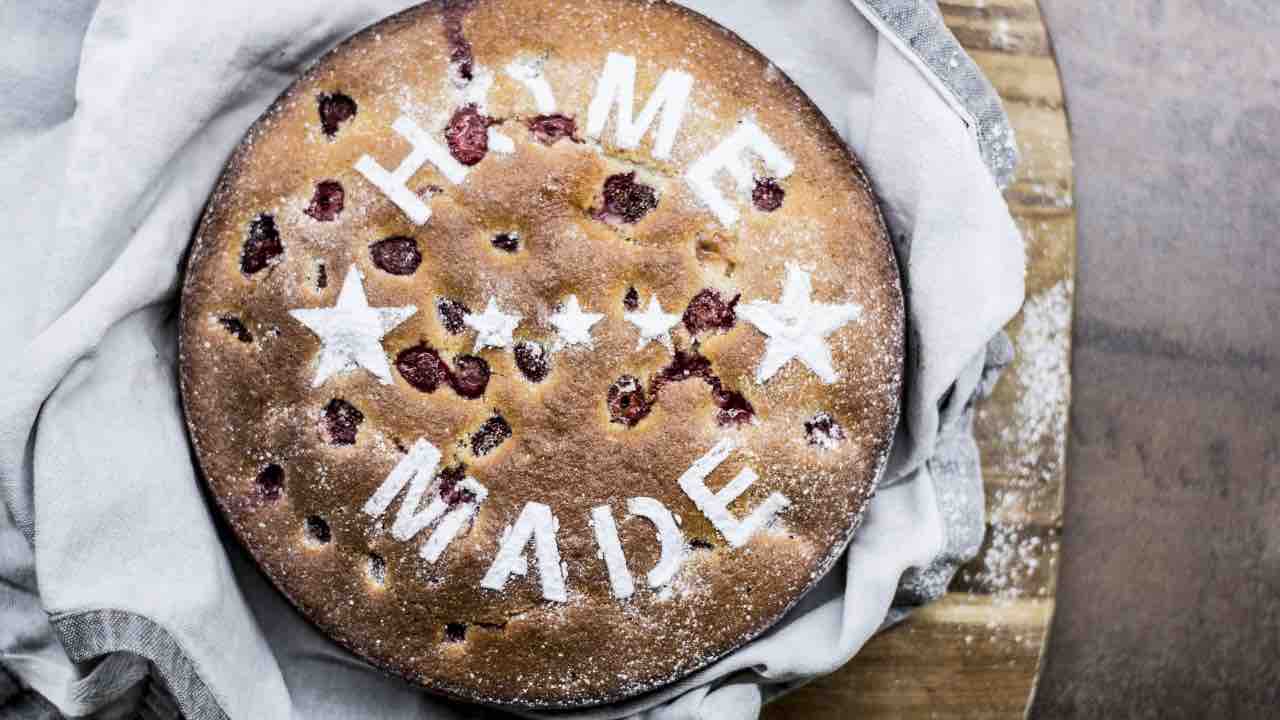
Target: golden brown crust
x=252 y=403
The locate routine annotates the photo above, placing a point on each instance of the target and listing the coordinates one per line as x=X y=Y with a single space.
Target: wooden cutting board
x=976 y=652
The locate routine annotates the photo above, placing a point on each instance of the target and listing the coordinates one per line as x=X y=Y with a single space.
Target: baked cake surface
x=542 y=353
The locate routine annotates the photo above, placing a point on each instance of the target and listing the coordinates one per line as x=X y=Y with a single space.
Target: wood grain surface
x=976 y=652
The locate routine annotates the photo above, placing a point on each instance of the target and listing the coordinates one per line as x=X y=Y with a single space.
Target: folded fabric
x=118 y=118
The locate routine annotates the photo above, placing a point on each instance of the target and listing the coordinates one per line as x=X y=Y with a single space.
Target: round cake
x=542 y=353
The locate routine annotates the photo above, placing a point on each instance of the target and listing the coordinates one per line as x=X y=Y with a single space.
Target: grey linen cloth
x=119 y=594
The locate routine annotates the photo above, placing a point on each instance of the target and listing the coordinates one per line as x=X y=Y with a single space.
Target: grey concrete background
x=1169 y=587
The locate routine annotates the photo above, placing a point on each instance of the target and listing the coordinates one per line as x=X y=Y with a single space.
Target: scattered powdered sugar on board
x=1026 y=443
x=1041 y=372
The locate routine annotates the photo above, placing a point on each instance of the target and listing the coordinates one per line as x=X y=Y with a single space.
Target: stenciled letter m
x=448 y=514
x=617 y=85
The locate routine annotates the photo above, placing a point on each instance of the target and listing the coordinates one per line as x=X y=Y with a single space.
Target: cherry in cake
x=709 y=310
x=531 y=359
x=625 y=199
x=335 y=109
x=327 y=202
x=469 y=381
x=468 y=135
x=550 y=129
x=507 y=242
x=237 y=328
x=423 y=368
x=261 y=246
x=452 y=315
x=270 y=482
x=341 y=422
x=396 y=255
x=470 y=376
x=767 y=194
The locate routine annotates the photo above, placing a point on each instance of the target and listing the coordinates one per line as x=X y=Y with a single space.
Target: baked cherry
x=631 y=301
x=767 y=195
x=470 y=376
x=548 y=129
x=318 y=530
x=627 y=402
x=261 y=246
x=335 y=109
x=468 y=135
x=322 y=277
x=506 y=242
x=452 y=314
x=626 y=199
x=490 y=435
x=531 y=358
x=269 y=484
x=735 y=409
x=377 y=569
x=684 y=364
x=709 y=311
x=327 y=201
x=341 y=422
x=397 y=255
x=459 y=48
x=823 y=431
x=455 y=632
x=236 y=328
x=451 y=490
x=422 y=367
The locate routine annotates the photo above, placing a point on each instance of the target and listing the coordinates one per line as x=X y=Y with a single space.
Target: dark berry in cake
x=734 y=407
x=767 y=195
x=451 y=314
x=506 y=242
x=270 y=482
x=459 y=48
x=335 y=109
x=684 y=364
x=318 y=530
x=341 y=422
x=327 y=201
x=377 y=569
x=823 y=431
x=709 y=311
x=322 y=277
x=236 y=328
x=547 y=129
x=627 y=402
x=531 y=358
x=626 y=199
x=490 y=435
x=422 y=367
x=396 y=255
x=451 y=490
x=261 y=246
x=631 y=301
x=470 y=376
x=455 y=632
x=468 y=135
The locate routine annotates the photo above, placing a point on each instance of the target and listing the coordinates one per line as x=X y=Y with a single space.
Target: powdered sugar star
x=574 y=325
x=797 y=327
x=653 y=324
x=493 y=327
x=351 y=332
